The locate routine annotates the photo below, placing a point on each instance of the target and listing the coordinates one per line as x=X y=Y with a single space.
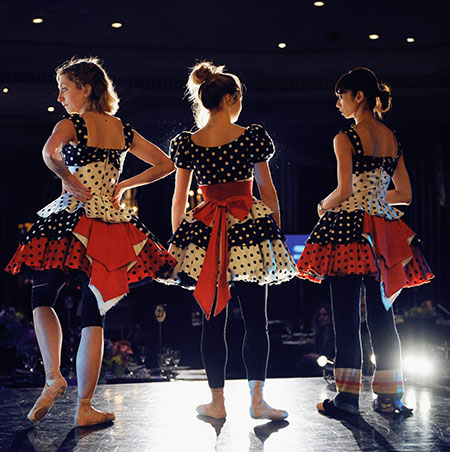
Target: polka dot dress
x=256 y=246
x=53 y=242
x=364 y=235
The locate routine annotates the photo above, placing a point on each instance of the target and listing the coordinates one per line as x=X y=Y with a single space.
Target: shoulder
x=64 y=125
x=181 y=138
x=342 y=138
x=257 y=130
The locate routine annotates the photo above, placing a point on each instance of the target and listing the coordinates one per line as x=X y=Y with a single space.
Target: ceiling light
x=282 y=45
x=38 y=20
x=51 y=109
x=116 y=24
x=318 y=3
x=5 y=90
x=374 y=36
x=410 y=39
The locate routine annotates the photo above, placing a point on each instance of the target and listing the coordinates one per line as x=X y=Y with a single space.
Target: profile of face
x=324 y=317
x=72 y=98
x=347 y=104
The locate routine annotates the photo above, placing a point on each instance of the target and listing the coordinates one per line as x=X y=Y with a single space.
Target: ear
x=360 y=96
x=87 y=90
x=228 y=100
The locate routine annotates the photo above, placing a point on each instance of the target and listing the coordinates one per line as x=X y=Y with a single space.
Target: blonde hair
x=89 y=71
x=206 y=86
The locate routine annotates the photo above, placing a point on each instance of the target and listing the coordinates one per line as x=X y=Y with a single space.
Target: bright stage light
x=5 y=90
x=116 y=25
x=282 y=45
x=372 y=359
x=410 y=40
x=51 y=109
x=322 y=361
x=419 y=366
x=38 y=20
x=318 y=3
x=374 y=36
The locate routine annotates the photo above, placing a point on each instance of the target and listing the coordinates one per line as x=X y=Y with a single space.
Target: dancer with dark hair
x=84 y=237
x=360 y=237
x=231 y=240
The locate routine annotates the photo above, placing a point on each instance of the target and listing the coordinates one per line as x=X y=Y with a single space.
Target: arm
x=149 y=153
x=343 y=151
x=402 y=194
x=63 y=132
x=267 y=190
x=180 y=194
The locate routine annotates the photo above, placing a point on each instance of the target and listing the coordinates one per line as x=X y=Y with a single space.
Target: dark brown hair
x=377 y=94
x=89 y=71
x=206 y=86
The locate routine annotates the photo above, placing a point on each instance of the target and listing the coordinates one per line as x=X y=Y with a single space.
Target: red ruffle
x=387 y=254
x=111 y=251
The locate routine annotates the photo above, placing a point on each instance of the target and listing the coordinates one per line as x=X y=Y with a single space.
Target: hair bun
x=201 y=71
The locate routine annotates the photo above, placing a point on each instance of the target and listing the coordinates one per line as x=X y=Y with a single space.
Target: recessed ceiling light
x=410 y=39
x=38 y=20
x=318 y=3
x=374 y=36
x=51 y=109
x=116 y=24
x=5 y=90
x=282 y=45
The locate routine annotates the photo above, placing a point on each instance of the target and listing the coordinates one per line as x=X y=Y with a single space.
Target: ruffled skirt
x=257 y=251
x=112 y=255
x=373 y=246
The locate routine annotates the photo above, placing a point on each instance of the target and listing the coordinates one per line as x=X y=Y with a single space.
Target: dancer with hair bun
x=360 y=239
x=84 y=237
x=231 y=244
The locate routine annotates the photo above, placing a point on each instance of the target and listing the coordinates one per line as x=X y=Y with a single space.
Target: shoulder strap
x=128 y=134
x=80 y=127
x=355 y=140
x=399 y=145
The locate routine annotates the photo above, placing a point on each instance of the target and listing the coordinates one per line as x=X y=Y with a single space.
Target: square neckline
x=361 y=148
x=81 y=134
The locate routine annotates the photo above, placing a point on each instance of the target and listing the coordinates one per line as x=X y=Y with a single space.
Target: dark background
x=290 y=92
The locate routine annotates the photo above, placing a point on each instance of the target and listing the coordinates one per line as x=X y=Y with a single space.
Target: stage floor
x=160 y=417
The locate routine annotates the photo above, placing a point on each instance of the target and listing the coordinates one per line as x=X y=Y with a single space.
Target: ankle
x=53 y=373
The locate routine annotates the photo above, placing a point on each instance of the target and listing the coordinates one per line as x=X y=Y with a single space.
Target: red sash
x=236 y=199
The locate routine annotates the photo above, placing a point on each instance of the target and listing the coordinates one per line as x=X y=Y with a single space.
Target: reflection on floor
x=160 y=417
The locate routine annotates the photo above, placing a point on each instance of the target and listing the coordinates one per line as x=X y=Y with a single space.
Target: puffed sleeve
x=179 y=152
x=262 y=148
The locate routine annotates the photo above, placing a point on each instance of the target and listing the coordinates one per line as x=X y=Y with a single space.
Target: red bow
x=215 y=211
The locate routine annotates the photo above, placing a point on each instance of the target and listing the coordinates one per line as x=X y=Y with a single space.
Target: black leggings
x=252 y=299
x=46 y=287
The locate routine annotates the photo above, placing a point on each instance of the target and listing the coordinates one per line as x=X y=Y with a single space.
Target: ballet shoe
x=216 y=408
x=53 y=390
x=86 y=415
x=259 y=409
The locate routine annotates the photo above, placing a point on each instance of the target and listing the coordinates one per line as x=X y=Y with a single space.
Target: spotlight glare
x=116 y=25
x=123 y=205
x=51 y=109
x=322 y=361
x=5 y=90
x=410 y=40
x=282 y=45
x=38 y=20
x=374 y=36
x=372 y=359
x=319 y=4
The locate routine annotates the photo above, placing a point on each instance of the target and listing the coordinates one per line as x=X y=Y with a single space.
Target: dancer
x=84 y=236
x=232 y=239
x=360 y=239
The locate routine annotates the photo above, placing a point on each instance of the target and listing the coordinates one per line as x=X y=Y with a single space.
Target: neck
x=363 y=115
x=220 y=118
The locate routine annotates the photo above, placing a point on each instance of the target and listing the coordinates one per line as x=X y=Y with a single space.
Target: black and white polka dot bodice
x=98 y=169
x=230 y=162
x=370 y=181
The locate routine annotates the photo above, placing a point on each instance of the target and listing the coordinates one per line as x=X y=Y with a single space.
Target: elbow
x=408 y=199
x=169 y=167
